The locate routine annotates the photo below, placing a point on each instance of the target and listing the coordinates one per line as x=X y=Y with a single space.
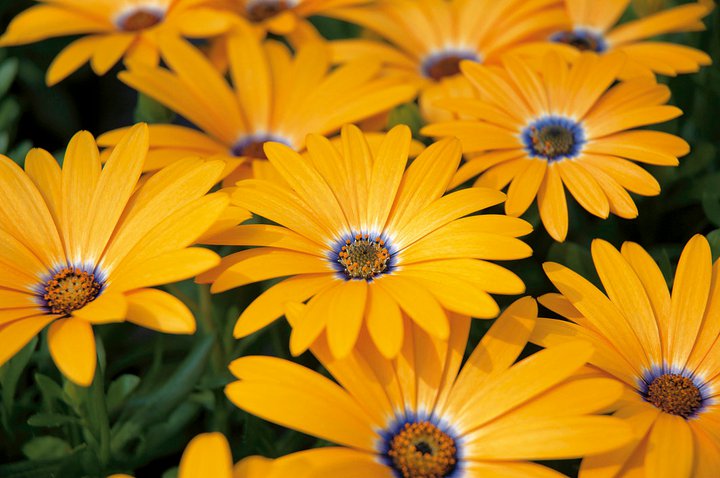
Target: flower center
x=554 y=138
x=421 y=450
x=675 y=394
x=252 y=146
x=140 y=19
x=445 y=64
x=583 y=40
x=261 y=10
x=363 y=258
x=253 y=149
x=69 y=290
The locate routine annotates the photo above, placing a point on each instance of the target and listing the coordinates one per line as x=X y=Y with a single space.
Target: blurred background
x=167 y=389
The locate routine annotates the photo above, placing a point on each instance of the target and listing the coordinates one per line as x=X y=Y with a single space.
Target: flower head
x=562 y=126
x=421 y=415
x=592 y=26
x=82 y=245
x=662 y=347
x=273 y=97
x=286 y=17
x=368 y=242
x=112 y=29
x=429 y=38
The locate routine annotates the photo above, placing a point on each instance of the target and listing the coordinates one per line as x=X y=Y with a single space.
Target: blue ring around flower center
x=446 y=63
x=411 y=417
x=251 y=145
x=333 y=254
x=583 y=39
x=554 y=138
x=649 y=376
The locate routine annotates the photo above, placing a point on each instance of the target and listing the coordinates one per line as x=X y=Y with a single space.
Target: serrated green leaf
x=46 y=448
x=50 y=420
x=119 y=391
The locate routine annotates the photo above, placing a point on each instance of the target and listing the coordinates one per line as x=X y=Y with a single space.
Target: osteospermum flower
x=367 y=242
x=209 y=456
x=113 y=29
x=592 y=27
x=664 y=349
x=283 y=17
x=81 y=246
x=421 y=416
x=429 y=38
x=564 y=126
x=274 y=97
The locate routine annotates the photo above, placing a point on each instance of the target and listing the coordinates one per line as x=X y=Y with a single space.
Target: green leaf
x=50 y=390
x=150 y=111
x=407 y=114
x=50 y=420
x=11 y=372
x=714 y=240
x=9 y=113
x=155 y=406
x=119 y=391
x=711 y=206
x=8 y=72
x=575 y=257
x=19 y=152
x=46 y=448
x=30 y=469
x=171 y=473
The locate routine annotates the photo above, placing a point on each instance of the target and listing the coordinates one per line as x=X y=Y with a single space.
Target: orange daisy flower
x=565 y=126
x=113 y=29
x=663 y=347
x=593 y=26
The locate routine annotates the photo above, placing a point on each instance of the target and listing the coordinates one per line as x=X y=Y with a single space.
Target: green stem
x=98 y=417
x=217 y=358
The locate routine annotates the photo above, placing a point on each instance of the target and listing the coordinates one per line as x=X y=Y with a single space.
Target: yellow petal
x=295 y=397
x=158 y=310
x=523 y=382
x=108 y=51
x=689 y=298
x=114 y=187
x=670 y=450
x=624 y=288
x=496 y=352
x=418 y=303
x=384 y=322
x=549 y=439
x=72 y=346
x=110 y=306
x=16 y=335
x=270 y=305
x=207 y=455
x=387 y=172
x=165 y=269
x=346 y=317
